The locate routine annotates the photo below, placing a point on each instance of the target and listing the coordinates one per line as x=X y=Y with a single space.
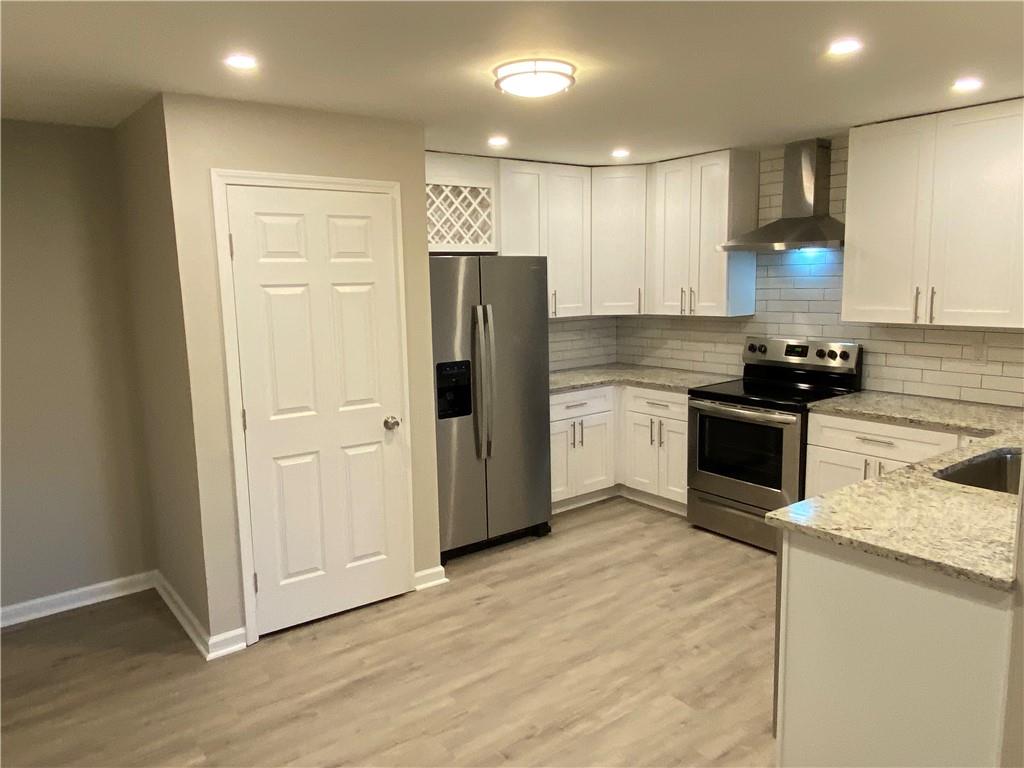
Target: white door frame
x=220 y=180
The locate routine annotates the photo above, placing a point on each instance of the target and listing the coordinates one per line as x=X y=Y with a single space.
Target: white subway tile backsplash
x=799 y=294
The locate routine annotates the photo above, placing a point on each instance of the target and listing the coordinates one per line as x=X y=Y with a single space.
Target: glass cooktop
x=765 y=393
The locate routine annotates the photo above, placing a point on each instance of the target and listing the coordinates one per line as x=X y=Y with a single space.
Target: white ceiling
x=665 y=79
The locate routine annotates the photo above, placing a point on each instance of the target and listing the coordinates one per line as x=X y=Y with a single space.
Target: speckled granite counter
x=911 y=516
x=650 y=377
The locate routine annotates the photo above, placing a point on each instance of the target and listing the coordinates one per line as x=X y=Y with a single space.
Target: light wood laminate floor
x=624 y=638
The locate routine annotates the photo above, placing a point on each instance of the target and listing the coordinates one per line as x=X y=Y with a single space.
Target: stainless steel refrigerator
x=490 y=332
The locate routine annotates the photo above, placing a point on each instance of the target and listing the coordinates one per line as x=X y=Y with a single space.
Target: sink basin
x=997 y=470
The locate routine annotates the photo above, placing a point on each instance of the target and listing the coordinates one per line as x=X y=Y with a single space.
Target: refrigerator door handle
x=479 y=408
x=491 y=376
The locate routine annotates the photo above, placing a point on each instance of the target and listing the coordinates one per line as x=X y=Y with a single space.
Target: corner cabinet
x=694 y=205
x=934 y=220
x=461 y=203
x=619 y=213
x=582 y=446
x=545 y=211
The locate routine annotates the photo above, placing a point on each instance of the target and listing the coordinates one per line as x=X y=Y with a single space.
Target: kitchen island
x=899 y=596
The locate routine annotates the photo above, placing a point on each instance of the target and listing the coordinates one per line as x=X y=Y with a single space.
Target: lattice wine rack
x=460 y=216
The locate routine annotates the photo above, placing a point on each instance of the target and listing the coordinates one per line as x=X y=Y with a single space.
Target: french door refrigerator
x=490 y=333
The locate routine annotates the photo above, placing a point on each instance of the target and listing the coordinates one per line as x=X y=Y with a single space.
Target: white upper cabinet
x=695 y=205
x=934 y=219
x=976 y=272
x=888 y=216
x=569 y=240
x=619 y=209
x=524 y=208
x=461 y=203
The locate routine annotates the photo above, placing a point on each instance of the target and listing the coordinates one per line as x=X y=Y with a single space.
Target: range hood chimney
x=805 y=222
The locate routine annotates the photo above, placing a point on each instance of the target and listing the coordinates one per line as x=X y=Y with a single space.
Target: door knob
x=392 y=422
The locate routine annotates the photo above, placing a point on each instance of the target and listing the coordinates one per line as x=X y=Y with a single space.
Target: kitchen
x=755 y=395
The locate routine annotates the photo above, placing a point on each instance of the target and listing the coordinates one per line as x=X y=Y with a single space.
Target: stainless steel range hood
x=805 y=222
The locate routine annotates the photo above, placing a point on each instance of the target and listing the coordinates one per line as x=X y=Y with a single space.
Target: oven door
x=747 y=454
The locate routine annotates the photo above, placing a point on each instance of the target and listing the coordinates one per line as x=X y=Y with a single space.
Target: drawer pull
x=876 y=441
x=865 y=469
x=575 y=405
x=656 y=404
x=652 y=431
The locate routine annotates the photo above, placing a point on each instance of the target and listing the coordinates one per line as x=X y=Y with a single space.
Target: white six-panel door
x=322 y=364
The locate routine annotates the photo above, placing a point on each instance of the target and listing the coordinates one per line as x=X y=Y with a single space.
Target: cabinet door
x=672 y=459
x=668 y=240
x=523 y=202
x=561 y=450
x=709 y=228
x=884 y=466
x=977 y=262
x=829 y=469
x=593 y=461
x=888 y=218
x=641 y=452
x=568 y=190
x=619 y=214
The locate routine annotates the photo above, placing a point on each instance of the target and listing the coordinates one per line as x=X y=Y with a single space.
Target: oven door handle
x=762 y=417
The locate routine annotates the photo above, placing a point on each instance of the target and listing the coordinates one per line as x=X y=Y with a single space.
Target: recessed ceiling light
x=243 y=62
x=498 y=141
x=620 y=153
x=967 y=84
x=535 y=77
x=844 y=46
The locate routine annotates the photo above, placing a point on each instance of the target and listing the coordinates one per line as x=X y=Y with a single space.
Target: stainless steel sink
x=997 y=470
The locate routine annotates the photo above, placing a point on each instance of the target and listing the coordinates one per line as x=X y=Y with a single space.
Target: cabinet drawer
x=583 y=402
x=887 y=441
x=655 y=403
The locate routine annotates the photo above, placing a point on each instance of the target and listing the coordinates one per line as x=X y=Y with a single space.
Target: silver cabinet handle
x=581 y=433
x=931 y=306
x=574 y=434
x=693 y=302
x=763 y=417
x=392 y=422
x=576 y=405
x=638 y=298
x=492 y=376
x=554 y=303
x=661 y=438
x=656 y=404
x=875 y=441
x=865 y=469
x=917 y=300
x=652 y=431
x=682 y=300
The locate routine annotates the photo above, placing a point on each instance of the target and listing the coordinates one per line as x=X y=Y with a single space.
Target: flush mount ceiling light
x=498 y=142
x=241 y=62
x=620 y=153
x=844 y=46
x=967 y=84
x=534 y=78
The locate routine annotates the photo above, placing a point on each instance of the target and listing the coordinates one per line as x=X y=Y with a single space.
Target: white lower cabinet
x=655 y=455
x=582 y=455
x=883 y=448
x=672 y=460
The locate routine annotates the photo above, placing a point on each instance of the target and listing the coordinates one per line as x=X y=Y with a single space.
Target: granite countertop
x=908 y=514
x=650 y=377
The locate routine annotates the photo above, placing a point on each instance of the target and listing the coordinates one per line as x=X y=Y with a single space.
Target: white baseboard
x=75 y=598
x=430 y=577
x=211 y=647
x=619 y=491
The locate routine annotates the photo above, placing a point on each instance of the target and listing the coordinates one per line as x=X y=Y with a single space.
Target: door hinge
x=255 y=581
x=231 y=245
x=245 y=423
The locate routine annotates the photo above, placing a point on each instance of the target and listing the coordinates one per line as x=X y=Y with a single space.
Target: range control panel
x=454 y=389
x=802 y=353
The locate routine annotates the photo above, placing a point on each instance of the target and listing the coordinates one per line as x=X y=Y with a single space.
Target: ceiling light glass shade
x=967 y=84
x=534 y=78
x=845 y=46
x=241 y=61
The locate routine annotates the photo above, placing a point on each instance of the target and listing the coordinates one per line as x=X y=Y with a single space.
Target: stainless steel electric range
x=748 y=437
